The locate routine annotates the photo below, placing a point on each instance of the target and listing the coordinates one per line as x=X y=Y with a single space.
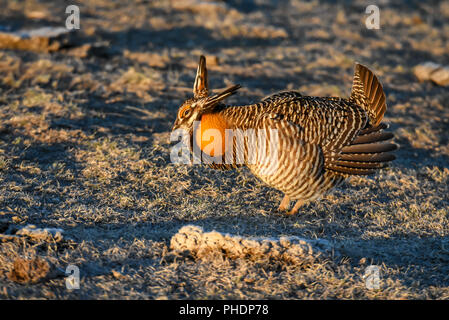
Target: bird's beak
x=175 y=125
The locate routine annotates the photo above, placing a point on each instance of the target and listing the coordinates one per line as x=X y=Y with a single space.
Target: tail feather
x=351 y=171
x=368 y=93
x=361 y=165
x=368 y=157
x=368 y=151
x=369 y=148
x=373 y=137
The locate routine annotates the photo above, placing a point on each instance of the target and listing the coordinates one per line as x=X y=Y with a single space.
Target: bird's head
x=193 y=108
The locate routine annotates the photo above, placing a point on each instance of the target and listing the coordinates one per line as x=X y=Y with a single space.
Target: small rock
x=423 y=71
x=432 y=71
x=45 y=39
x=441 y=76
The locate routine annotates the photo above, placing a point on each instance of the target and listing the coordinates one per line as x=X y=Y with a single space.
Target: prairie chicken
x=319 y=141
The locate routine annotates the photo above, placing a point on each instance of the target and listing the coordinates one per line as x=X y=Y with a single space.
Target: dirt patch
x=27 y=271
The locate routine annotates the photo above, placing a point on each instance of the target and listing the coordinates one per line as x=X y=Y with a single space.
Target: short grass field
x=85 y=148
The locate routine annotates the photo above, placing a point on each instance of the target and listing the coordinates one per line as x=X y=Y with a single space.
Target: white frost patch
x=293 y=249
x=42 y=234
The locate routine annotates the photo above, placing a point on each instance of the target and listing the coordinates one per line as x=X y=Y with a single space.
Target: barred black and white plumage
x=318 y=141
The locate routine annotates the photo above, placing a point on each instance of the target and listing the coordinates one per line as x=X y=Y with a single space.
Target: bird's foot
x=295 y=209
x=284 y=203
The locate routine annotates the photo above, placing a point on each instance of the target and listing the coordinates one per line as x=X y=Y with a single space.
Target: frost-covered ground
x=84 y=147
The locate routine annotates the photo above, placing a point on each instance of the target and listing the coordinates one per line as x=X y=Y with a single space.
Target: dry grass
x=84 y=147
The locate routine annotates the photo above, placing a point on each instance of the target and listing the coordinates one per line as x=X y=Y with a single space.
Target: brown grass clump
x=29 y=270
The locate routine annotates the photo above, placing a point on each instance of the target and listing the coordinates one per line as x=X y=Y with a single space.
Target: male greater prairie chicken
x=317 y=142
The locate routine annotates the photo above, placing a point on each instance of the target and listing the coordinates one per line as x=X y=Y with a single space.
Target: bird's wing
x=331 y=123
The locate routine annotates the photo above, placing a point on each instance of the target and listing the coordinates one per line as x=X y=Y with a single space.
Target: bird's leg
x=295 y=209
x=284 y=203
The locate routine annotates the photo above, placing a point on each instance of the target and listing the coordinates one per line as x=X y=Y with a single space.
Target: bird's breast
x=210 y=136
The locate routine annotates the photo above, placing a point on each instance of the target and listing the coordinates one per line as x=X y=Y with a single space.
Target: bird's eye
x=186 y=112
